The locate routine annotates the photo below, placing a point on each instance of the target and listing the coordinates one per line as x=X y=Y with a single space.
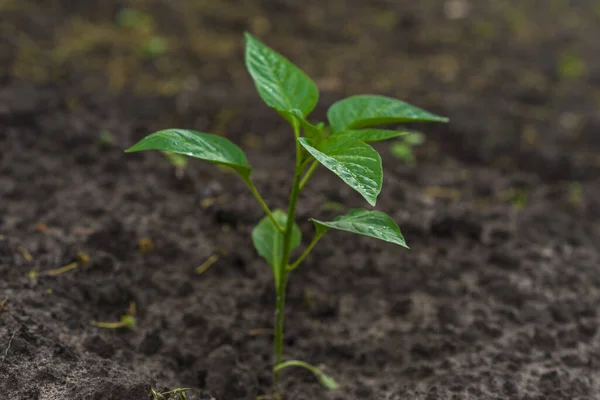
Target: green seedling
x=106 y=138
x=402 y=148
x=571 y=66
x=82 y=258
x=156 y=46
x=341 y=146
x=520 y=200
x=127 y=320
x=143 y=25
x=202 y=268
x=178 y=161
x=575 y=194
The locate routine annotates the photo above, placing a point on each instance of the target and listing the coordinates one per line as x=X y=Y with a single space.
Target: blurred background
x=520 y=79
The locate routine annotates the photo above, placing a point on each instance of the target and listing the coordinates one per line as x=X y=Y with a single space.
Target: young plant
x=342 y=147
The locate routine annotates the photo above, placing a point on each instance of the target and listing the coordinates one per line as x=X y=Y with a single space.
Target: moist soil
x=497 y=297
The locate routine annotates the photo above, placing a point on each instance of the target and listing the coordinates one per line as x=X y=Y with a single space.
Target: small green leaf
x=354 y=161
x=268 y=241
x=205 y=146
x=368 y=223
x=369 y=110
x=370 y=135
x=280 y=84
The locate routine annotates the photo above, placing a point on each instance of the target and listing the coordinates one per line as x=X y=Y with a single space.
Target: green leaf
x=369 y=110
x=370 y=135
x=280 y=84
x=354 y=161
x=268 y=241
x=205 y=146
x=375 y=224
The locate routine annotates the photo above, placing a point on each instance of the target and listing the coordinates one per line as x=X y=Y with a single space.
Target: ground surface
x=497 y=298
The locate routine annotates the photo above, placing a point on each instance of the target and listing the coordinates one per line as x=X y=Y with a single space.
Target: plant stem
x=62 y=270
x=312 y=244
x=297 y=363
x=127 y=321
x=308 y=174
x=263 y=204
x=282 y=282
x=325 y=379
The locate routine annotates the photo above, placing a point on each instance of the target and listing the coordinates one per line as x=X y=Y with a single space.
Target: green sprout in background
x=575 y=194
x=342 y=147
x=402 y=148
x=571 y=66
x=178 y=161
x=142 y=24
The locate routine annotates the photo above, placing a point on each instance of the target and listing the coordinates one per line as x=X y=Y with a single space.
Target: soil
x=496 y=299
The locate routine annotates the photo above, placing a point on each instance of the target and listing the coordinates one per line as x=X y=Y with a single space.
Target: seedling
x=106 y=138
x=178 y=162
x=127 y=320
x=82 y=258
x=142 y=25
x=402 y=148
x=342 y=147
x=202 y=268
x=575 y=194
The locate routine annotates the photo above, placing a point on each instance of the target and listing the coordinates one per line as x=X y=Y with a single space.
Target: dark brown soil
x=496 y=299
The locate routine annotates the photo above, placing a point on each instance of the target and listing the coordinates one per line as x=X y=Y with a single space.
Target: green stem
x=108 y=325
x=308 y=174
x=302 y=256
x=325 y=380
x=287 y=240
x=263 y=204
x=127 y=321
x=297 y=363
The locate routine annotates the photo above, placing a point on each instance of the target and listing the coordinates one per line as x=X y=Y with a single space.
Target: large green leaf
x=354 y=161
x=205 y=146
x=368 y=223
x=268 y=241
x=370 y=134
x=369 y=110
x=280 y=84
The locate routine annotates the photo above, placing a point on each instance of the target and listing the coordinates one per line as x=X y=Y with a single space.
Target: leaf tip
x=131 y=149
